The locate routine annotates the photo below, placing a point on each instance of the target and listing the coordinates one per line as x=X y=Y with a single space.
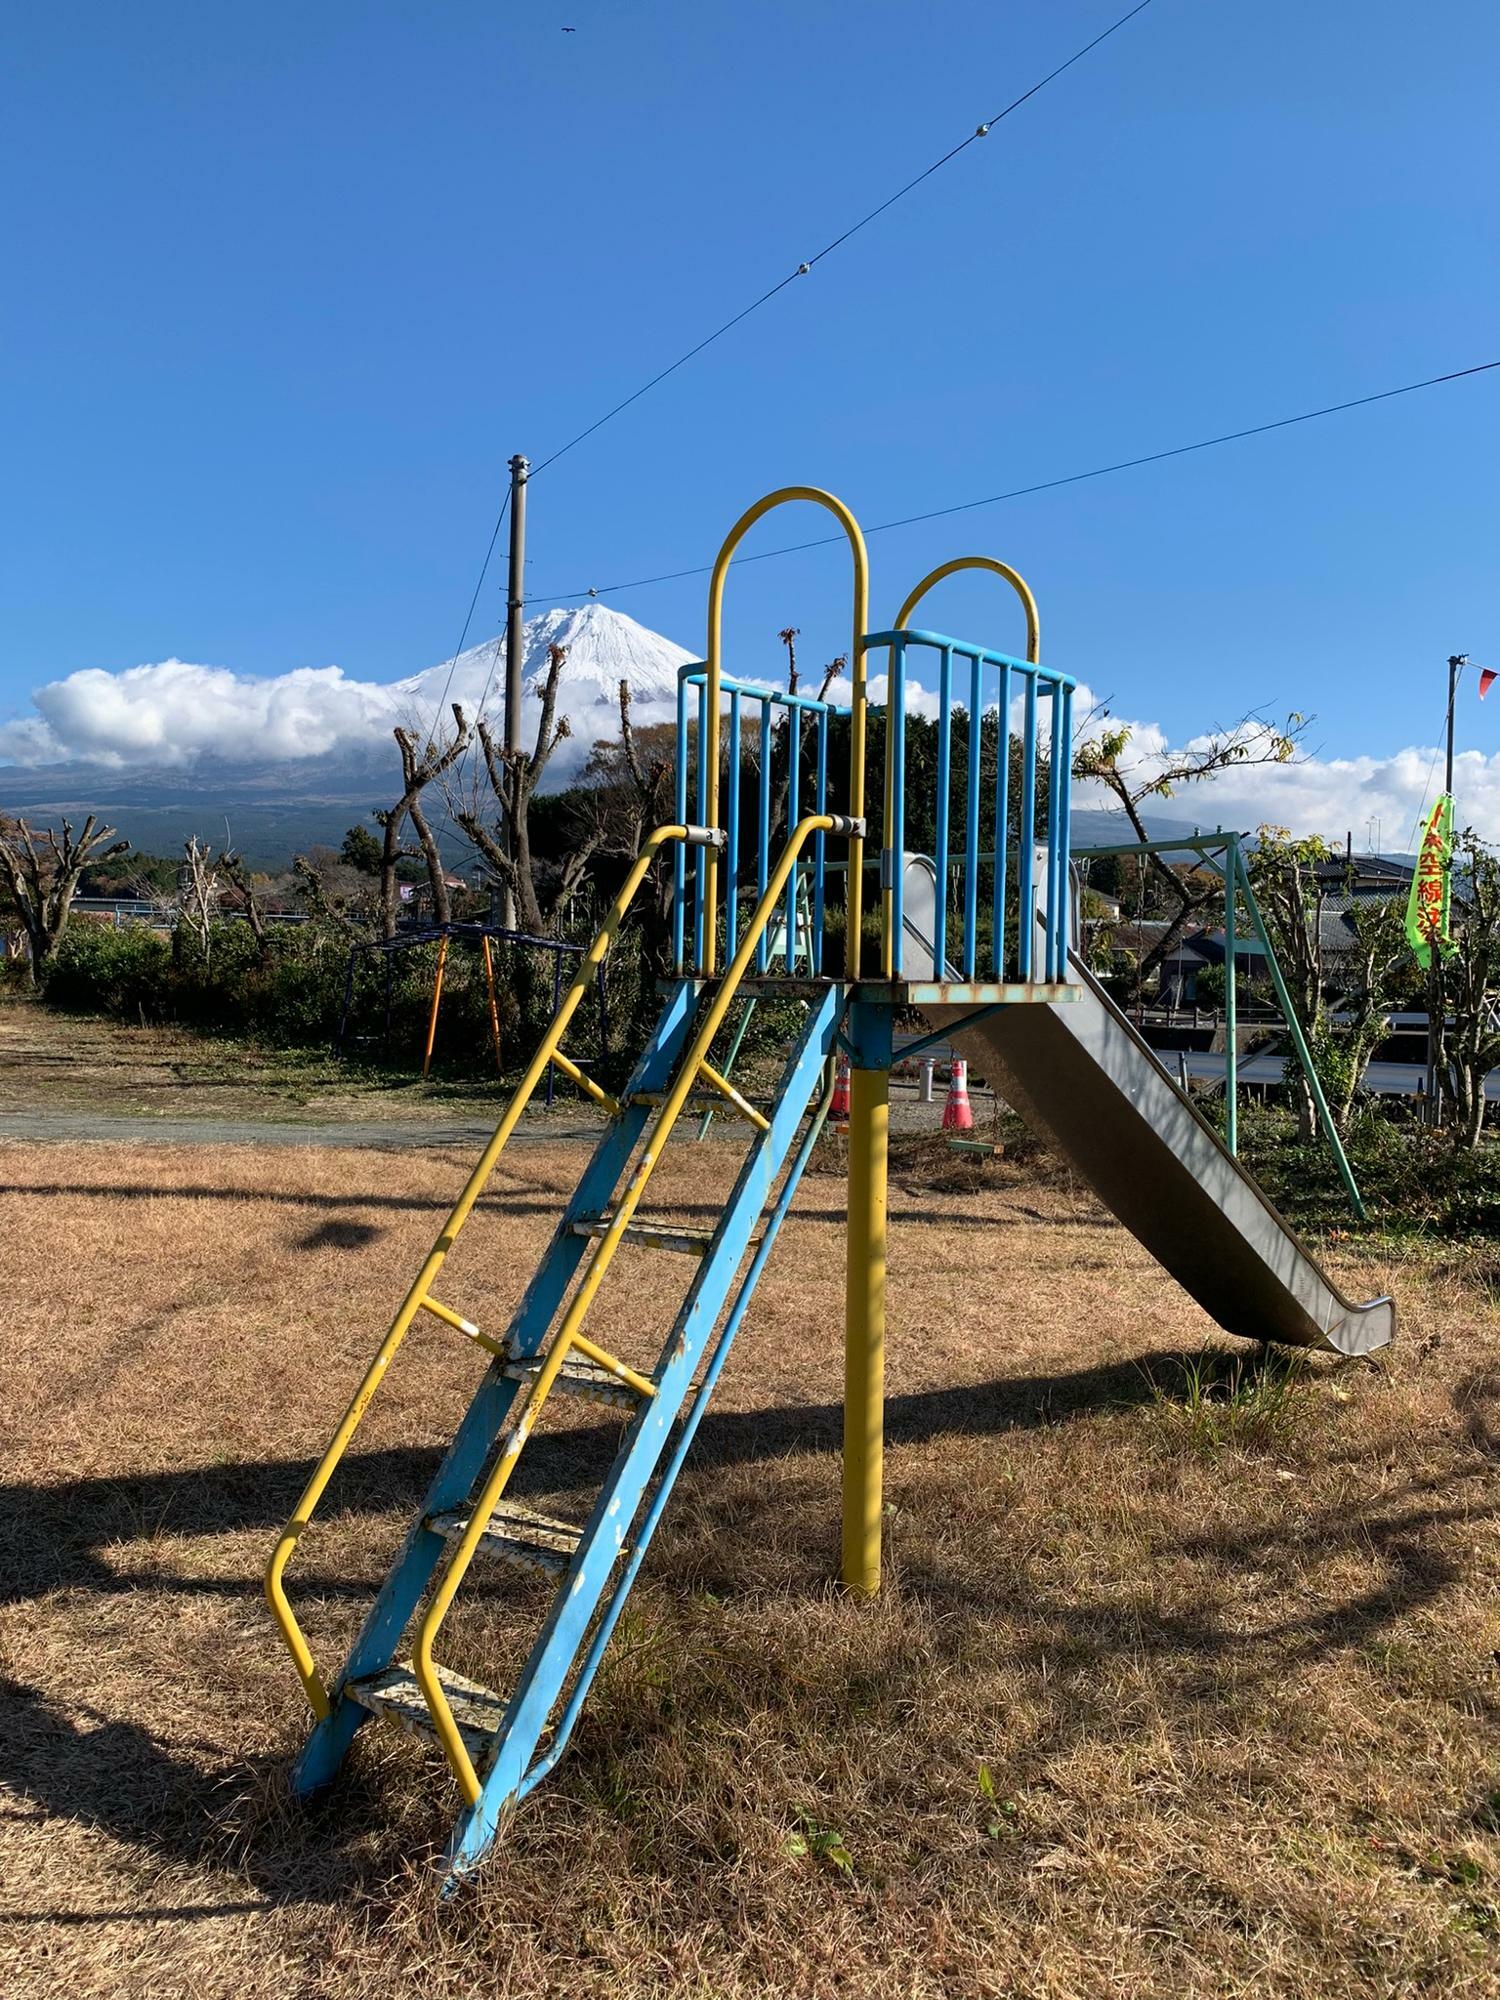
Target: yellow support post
x=864 y=1328
x=437 y=1001
x=489 y=980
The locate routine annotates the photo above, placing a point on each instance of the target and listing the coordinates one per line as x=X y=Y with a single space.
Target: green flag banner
x=1427 y=906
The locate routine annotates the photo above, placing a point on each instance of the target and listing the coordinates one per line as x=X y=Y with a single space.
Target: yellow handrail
x=708 y=810
x=417 y=1297
x=567 y=1334
x=934 y=577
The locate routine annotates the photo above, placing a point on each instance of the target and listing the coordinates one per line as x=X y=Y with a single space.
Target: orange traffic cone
x=838 y=1111
x=957 y=1116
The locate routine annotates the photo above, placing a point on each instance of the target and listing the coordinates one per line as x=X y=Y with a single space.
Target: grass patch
x=1124 y=1719
x=1221 y=1402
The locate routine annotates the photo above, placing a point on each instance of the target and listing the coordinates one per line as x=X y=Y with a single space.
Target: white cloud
x=174 y=715
x=1374 y=798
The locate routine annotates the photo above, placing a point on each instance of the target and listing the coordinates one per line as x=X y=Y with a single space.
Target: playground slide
x=1080 y=1073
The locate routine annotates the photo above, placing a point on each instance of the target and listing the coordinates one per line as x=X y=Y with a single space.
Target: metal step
x=699 y=1100
x=516 y=1534
x=396 y=1692
x=690 y=1239
x=653 y=1235
x=579 y=1377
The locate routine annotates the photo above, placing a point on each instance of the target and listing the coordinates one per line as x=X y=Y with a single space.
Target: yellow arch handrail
x=934 y=577
x=1013 y=577
x=708 y=809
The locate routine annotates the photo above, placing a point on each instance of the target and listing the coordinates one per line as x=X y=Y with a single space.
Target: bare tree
x=1135 y=783
x=201 y=893
x=242 y=882
x=513 y=779
x=420 y=765
x=43 y=879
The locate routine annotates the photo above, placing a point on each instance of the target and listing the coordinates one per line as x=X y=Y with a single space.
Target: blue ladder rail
x=598 y=1561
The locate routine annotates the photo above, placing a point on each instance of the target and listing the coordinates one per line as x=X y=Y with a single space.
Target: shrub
x=97 y=969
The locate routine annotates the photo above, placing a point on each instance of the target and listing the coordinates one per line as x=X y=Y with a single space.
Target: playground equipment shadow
x=1231 y=1705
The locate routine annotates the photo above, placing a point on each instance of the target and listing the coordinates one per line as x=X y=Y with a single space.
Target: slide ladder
x=499 y=1745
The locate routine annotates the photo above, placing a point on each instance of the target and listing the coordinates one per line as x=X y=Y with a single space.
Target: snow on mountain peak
x=603 y=648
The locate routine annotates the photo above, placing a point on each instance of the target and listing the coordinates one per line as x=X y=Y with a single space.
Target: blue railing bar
x=938 y=640
x=971 y=823
x=679 y=854
x=944 y=779
x=793 y=812
x=1002 y=809
x=758 y=691
x=1065 y=881
x=700 y=869
x=1057 y=849
x=818 y=844
x=732 y=834
x=1026 y=921
x=895 y=749
x=763 y=841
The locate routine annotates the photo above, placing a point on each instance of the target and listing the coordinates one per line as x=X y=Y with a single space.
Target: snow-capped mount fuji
x=603 y=648
x=171 y=748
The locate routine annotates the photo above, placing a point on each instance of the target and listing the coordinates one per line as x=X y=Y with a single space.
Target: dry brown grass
x=1129 y=1719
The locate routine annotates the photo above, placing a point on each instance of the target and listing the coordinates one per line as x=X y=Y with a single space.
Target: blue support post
x=944 y=774
x=1026 y=834
x=1002 y=814
x=732 y=834
x=763 y=830
x=895 y=708
x=820 y=845
x=679 y=852
x=971 y=826
x=793 y=810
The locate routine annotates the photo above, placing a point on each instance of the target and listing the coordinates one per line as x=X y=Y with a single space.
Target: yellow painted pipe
x=489 y=980
x=416 y=1298
x=709 y=809
x=993 y=564
x=453 y=1572
x=437 y=1001
x=742 y=1104
x=864 y=1329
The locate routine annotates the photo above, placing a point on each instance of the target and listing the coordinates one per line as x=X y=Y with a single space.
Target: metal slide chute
x=1080 y=1074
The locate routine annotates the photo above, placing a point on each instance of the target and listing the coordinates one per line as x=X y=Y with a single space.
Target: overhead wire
x=981 y=131
x=1040 y=485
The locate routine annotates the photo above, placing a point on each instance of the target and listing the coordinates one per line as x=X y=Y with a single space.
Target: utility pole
x=1437 y=1006
x=515 y=602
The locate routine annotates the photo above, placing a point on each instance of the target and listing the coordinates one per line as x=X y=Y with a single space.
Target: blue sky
x=287 y=286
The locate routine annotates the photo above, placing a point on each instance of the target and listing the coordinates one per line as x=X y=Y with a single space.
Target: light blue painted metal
x=700 y=854
x=793 y=813
x=544 y=1676
x=1002 y=809
x=412 y=1569
x=679 y=853
x=763 y=830
x=821 y=1034
x=732 y=829
x=1057 y=844
x=896 y=751
x=971 y=821
x=1026 y=923
x=820 y=853
x=944 y=783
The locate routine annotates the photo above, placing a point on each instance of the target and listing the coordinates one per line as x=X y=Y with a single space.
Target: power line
x=805 y=266
x=484 y=571
x=1041 y=485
